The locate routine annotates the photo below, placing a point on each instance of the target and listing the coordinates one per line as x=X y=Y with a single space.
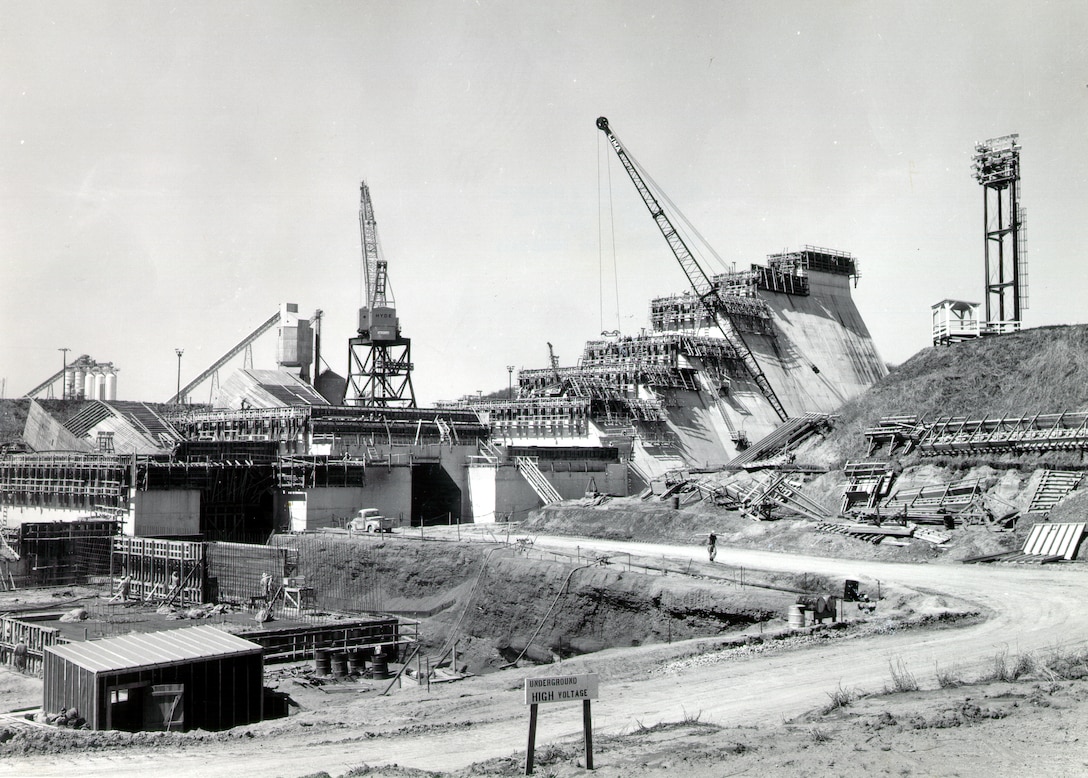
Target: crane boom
x=700 y=282
x=375 y=268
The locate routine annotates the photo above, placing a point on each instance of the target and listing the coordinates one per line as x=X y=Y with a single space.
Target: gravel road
x=1030 y=608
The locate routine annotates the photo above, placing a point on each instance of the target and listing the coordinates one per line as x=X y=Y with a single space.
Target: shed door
x=124 y=707
x=163 y=707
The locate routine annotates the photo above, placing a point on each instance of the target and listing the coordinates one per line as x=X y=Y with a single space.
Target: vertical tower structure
x=379 y=358
x=997 y=169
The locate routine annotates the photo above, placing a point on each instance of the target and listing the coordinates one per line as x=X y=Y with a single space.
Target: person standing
x=712 y=546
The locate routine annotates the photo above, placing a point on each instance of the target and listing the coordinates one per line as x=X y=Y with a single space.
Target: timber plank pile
x=895 y=533
x=1046 y=543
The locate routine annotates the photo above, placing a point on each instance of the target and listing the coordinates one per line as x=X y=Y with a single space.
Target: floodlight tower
x=997 y=168
x=379 y=359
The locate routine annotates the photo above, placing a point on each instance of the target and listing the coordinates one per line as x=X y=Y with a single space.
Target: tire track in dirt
x=1032 y=609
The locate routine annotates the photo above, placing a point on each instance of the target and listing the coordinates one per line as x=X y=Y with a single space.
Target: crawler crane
x=706 y=291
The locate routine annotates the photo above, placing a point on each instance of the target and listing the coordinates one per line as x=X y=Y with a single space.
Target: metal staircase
x=543 y=488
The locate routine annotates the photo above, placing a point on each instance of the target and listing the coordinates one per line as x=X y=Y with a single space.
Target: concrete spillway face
x=822 y=355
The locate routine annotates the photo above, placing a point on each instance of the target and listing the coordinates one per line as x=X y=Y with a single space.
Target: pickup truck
x=370 y=520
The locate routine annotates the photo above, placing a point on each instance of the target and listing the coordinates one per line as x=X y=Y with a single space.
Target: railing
x=543 y=488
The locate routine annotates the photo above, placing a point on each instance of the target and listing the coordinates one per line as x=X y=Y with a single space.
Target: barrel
x=379 y=667
x=797 y=616
x=356 y=662
x=322 y=665
x=339 y=664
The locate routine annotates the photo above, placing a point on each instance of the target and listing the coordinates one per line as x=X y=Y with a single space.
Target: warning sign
x=561 y=688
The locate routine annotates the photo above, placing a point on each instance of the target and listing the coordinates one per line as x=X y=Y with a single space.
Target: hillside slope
x=1042 y=370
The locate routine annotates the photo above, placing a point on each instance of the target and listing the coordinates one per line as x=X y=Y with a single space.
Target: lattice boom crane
x=700 y=282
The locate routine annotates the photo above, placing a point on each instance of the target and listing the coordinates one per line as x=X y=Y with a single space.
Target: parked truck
x=370 y=520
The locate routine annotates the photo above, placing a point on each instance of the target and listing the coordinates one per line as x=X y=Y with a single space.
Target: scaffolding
x=66 y=480
x=997 y=168
x=686 y=312
x=961 y=435
x=816 y=258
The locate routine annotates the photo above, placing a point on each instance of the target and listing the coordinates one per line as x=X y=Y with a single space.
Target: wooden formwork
x=165 y=571
x=381 y=633
x=22 y=643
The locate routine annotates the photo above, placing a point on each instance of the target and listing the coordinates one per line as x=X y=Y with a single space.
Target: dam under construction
x=331 y=535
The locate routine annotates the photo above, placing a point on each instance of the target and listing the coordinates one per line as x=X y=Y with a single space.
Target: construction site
x=723 y=518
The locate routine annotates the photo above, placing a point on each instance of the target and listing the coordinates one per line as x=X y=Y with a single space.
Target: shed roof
x=139 y=651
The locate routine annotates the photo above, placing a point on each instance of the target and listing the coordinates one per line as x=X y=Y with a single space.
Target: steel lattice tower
x=997 y=168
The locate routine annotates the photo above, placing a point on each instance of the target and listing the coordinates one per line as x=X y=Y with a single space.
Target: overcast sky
x=169 y=175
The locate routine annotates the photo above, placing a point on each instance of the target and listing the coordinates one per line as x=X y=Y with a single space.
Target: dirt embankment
x=632 y=519
x=501 y=602
x=1041 y=370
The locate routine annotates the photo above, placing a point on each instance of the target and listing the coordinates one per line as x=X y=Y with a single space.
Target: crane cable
x=600 y=237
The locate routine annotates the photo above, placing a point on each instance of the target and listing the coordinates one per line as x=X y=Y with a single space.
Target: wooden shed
x=180 y=679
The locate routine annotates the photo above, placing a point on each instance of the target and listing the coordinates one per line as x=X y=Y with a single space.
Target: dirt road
x=1030 y=608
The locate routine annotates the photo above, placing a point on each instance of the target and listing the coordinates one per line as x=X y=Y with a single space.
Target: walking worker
x=712 y=546
x=124 y=586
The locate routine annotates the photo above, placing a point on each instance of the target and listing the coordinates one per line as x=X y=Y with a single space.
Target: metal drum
x=322 y=665
x=356 y=662
x=379 y=667
x=339 y=664
x=797 y=616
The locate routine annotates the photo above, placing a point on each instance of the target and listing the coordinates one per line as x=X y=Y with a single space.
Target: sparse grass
x=691 y=719
x=818 y=735
x=1064 y=665
x=688 y=720
x=840 y=698
x=903 y=680
x=947 y=678
x=1005 y=668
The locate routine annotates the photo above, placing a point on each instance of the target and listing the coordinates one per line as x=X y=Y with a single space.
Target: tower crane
x=379 y=359
x=707 y=293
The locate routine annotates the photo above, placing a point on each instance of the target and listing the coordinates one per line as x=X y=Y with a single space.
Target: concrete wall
x=126 y=438
x=389 y=489
x=312 y=509
x=825 y=330
x=44 y=433
x=164 y=513
x=482 y=493
x=21 y=514
x=514 y=498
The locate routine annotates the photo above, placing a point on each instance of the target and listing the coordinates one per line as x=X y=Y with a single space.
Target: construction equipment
x=379 y=359
x=238 y=348
x=709 y=295
x=553 y=361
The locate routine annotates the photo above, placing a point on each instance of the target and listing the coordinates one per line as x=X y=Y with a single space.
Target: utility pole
x=64 y=372
x=179 y=352
x=510 y=382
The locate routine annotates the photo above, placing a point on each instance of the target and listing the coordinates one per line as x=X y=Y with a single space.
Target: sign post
x=561 y=688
